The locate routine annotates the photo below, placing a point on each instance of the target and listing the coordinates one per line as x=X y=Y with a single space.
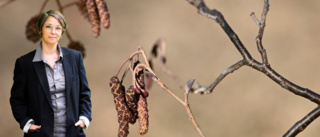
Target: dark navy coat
x=30 y=94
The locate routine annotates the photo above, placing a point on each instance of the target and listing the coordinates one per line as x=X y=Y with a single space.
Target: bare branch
x=263 y=67
x=248 y=60
x=158 y=80
x=262 y=25
x=187 y=106
x=128 y=59
x=71 y=4
x=218 y=17
x=255 y=18
x=59 y=5
x=188 y=85
x=303 y=123
x=206 y=90
x=185 y=103
x=42 y=7
x=160 y=46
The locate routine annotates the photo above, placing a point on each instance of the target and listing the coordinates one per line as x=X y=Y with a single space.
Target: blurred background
x=245 y=104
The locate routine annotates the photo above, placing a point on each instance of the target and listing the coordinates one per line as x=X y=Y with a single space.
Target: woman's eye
x=58 y=28
x=48 y=27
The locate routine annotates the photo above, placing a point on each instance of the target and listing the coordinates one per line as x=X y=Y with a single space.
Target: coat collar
x=39 y=56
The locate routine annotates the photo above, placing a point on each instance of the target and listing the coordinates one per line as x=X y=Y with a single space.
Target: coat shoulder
x=27 y=57
x=70 y=51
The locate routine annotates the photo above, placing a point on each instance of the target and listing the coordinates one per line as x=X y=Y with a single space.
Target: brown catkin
x=103 y=13
x=124 y=126
x=31 y=29
x=82 y=6
x=143 y=115
x=140 y=81
x=132 y=100
x=124 y=113
x=77 y=46
x=93 y=17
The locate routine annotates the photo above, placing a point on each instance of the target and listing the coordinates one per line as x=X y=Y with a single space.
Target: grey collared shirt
x=56 y=80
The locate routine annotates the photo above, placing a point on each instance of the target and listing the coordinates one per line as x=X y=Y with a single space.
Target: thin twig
x=59 y=6
x=185 y=103
x=187 y=106
x=206 y=90
x=42 y=7
x=161 y=46
x=161 y=84
x=5 y=3
x=262 y=25
x=255 y=18
x=128 y=59
x=70 y=4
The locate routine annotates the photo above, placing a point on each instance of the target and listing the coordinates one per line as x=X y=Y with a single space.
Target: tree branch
x=218 y=17
x=42 y=7
x=303 y=123
x=247 y=59
x=263 y=67
x=70 y=4
x=262 y=25
x=207 y=90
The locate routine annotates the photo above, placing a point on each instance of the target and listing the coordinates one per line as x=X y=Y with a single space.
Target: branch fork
x=263 y=67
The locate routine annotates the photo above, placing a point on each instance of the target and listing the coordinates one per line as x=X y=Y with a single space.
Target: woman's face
x=51 y=31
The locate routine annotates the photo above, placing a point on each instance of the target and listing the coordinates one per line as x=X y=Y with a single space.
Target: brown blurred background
x=244 y=104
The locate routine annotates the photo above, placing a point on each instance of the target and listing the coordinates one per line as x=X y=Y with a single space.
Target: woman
x=50 y=96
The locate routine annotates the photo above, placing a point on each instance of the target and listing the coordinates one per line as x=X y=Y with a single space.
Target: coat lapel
x=42 y=76
x=67 y=66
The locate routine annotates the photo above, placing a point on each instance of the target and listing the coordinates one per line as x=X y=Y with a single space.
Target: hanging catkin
x=31 y=29
x=143 y=115
x=93 y=17
x=124 y=114
x=82 y=6
x=132 y=100
x=76 y=45
x=103 y=13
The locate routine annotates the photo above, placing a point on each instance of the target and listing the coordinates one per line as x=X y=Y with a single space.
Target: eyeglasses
x=49 y=28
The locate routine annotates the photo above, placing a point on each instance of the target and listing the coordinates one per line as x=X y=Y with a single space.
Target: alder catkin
x=93 y=17
x=143 y=115
x=31 y=29
x=140 y=81
x=82 y=6
x=77 y=46
x=103 y=13
x=132 y=100
x=124 y=114
x=123 y=129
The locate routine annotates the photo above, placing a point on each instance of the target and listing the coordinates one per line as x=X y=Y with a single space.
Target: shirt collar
x=39 y=56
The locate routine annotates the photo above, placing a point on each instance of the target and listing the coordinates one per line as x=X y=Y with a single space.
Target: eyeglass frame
x=51 y=28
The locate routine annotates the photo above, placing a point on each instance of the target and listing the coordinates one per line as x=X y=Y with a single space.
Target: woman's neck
x=50 y=53
x=49 y=49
